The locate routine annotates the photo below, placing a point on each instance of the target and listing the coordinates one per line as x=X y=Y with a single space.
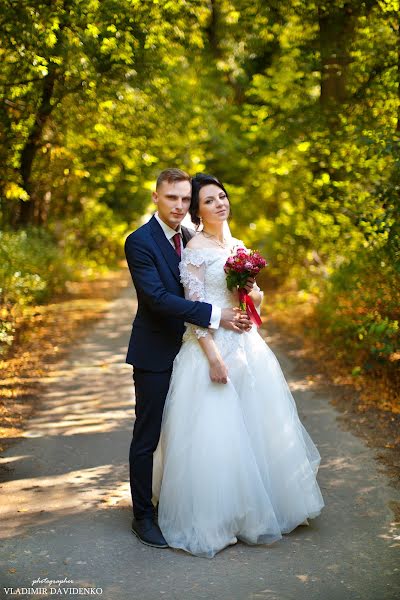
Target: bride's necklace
x=214 y=238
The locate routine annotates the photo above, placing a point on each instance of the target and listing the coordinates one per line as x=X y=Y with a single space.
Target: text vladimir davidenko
x=51 y=590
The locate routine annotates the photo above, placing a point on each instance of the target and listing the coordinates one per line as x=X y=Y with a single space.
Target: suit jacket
x=162 y=309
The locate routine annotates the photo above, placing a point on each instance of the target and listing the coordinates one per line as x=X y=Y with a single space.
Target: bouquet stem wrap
x=247 y=304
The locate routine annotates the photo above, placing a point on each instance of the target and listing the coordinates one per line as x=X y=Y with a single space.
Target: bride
x=234 y=462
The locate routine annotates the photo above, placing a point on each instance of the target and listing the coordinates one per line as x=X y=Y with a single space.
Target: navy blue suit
x=155 y=341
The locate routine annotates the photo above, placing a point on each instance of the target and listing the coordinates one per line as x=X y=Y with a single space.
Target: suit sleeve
x=148 y=284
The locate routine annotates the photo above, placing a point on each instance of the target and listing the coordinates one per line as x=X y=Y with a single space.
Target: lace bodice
x=203 y=278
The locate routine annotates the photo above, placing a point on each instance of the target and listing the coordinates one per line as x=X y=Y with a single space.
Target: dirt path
x=65 y=509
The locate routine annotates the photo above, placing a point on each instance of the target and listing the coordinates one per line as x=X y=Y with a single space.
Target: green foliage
x=92 y=240
x=312 y=160
x=359 y=310
x=294 y=105
x=36 y=263
x=32 y=267
x=32 y=270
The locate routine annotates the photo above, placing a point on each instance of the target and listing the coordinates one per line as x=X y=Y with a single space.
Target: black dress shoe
x=148 y=532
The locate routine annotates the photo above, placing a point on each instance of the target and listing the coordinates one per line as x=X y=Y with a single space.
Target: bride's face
x=213 y=204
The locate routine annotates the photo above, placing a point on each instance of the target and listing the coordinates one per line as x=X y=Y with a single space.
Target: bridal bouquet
x=238 y=269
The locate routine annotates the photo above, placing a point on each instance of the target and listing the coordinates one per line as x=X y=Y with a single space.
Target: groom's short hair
x=172 y=175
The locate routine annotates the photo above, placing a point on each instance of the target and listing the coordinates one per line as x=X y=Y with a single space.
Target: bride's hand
x=254 y=291
x=250 y=284
x=218 y=371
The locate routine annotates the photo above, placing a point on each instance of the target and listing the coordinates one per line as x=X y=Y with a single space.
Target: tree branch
x=12 y=84
x=376 y=71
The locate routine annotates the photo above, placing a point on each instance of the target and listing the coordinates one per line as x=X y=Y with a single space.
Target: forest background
x=294 y=105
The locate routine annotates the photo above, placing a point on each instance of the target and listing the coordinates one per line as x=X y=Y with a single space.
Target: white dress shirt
x=169 y=234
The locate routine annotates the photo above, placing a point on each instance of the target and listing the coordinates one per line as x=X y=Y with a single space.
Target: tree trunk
x=336 y=28
x=398 y=75
x=212 y=29
x=31 y=147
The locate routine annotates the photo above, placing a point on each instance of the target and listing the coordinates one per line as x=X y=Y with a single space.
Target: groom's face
x=173 y=201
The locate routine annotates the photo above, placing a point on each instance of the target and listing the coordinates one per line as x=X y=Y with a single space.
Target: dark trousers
x=150 y=391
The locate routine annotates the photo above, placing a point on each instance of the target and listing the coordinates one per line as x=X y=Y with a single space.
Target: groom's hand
x=235 y=320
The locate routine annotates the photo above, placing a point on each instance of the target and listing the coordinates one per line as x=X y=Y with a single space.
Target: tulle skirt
x=234 y=461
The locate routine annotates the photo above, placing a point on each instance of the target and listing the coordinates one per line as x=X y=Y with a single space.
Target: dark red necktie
x=177 y=243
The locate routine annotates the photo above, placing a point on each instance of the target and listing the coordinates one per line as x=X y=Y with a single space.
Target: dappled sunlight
x=90 y=418
x=294 y=106
x=91 y=391
x=340 y=463
x=73 y=457
x=299 y=385
x=9 y=460
x=37 y=501
x=67 y=481
x=392 y=534
x=77 y=402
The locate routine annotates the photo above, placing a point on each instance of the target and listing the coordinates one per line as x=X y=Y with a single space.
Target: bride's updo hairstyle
x=199 y=181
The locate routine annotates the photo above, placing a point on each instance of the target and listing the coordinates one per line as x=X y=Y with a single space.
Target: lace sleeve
x=192 y=269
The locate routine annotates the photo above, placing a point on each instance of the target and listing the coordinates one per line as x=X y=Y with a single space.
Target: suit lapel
x=166 y=248
x=187 y=235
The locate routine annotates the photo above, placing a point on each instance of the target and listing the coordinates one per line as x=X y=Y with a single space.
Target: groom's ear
x=154 y=195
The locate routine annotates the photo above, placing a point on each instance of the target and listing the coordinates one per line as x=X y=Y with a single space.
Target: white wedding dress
x=234 y=461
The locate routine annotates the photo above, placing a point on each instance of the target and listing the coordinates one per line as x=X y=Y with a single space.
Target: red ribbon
x=251 y=310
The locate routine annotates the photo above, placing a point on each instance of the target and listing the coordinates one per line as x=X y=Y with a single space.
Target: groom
x=153 y=253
